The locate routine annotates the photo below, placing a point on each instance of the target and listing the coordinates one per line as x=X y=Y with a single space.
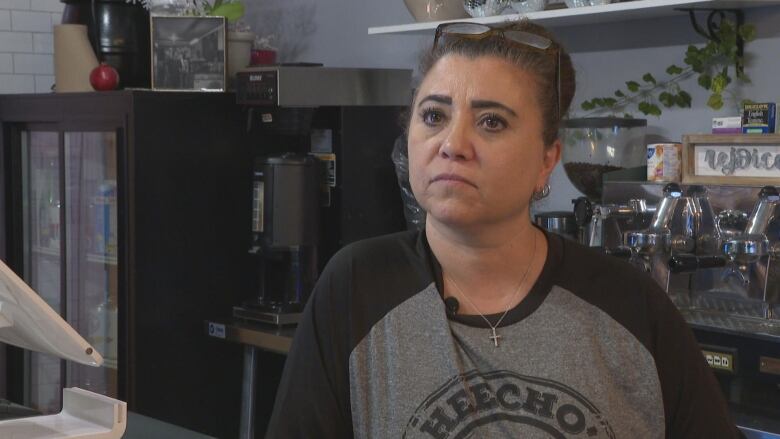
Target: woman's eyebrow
x=480 y=104
x=477 y=104
x=442 y=99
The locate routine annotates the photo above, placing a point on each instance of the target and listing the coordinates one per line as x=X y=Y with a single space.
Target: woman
x=483 y=325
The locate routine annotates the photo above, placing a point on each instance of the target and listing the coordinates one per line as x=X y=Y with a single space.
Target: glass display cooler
x=94 y=217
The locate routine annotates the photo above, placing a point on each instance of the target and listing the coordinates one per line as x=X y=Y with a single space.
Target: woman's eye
x=432 y=117
x=493 y=122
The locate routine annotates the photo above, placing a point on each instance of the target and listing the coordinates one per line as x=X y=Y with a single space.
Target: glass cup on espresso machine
x=284 y=236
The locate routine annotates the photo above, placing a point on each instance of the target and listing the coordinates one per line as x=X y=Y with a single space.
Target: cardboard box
x=664 y=162
x=726 y=122
x=758 y=118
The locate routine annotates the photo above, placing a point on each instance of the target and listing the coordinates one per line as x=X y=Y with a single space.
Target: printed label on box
x=664 y=161
x=758 y=118
x=726 y=122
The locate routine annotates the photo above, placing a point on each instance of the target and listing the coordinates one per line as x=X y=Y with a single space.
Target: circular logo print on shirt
x=505 y=404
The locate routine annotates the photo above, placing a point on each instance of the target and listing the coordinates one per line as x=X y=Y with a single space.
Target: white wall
x=334 y=32
x=26 y=47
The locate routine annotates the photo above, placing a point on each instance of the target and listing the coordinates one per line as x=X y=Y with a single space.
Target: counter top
x=144 y=427
x=756 y=426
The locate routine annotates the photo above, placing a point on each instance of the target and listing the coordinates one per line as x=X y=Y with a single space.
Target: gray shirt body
x=596 y=350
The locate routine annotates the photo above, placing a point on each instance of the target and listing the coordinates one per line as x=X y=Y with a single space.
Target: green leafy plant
x=230 y=9
x=712 y=64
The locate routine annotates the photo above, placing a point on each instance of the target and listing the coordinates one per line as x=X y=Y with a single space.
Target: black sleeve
x=694 y=405
x=313 y=396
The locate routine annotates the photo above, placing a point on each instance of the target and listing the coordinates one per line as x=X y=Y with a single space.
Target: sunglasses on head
x=526 y=40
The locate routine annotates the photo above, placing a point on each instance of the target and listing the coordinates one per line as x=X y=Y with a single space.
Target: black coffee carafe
x=285 y=233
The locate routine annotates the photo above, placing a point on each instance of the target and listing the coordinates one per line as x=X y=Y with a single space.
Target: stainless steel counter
x=756 y=426
x=267 y=337
x=757 y=434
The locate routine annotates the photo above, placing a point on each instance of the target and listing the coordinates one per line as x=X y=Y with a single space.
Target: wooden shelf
x=614 y=12
x=48 y=251
x=111 y=363
x=91 y=257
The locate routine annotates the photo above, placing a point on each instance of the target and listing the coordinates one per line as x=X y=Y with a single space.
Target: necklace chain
x=493 y=328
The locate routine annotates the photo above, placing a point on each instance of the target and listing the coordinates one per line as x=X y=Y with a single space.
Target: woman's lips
x=451 y=178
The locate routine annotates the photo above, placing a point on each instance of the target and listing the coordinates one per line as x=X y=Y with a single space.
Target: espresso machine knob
x=583 y=211
x=672 y=190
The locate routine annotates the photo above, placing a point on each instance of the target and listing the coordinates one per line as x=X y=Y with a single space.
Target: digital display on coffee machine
x=257 y=88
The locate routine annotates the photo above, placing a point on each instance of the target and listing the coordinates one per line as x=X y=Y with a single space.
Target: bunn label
x=258 y=202
x=216 y=330
x=719 y=360
x=329 y=179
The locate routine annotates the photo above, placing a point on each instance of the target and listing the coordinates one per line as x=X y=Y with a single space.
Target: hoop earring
x=542 y=193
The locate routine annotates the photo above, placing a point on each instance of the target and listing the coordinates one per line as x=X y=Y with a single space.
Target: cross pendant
x=494 y=337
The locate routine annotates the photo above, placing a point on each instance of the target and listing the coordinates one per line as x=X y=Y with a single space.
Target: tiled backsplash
x=26 y=46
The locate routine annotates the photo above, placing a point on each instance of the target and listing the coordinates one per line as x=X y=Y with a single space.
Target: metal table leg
x=247 y=430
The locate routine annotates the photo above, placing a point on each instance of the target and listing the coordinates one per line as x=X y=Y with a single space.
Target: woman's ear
x=551 y=157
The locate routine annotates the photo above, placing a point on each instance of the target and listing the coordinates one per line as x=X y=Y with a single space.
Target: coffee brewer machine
x=715 y=250
x=285 y=235
x=323 y=174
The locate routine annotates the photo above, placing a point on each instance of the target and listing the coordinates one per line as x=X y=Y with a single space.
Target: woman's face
x=476 y=153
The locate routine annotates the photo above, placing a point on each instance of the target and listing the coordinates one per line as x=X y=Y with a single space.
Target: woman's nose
x=458 y=143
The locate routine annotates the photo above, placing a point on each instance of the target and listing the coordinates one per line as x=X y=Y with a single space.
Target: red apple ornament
x=104 y=77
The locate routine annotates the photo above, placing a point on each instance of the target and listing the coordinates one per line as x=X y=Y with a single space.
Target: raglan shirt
x=595 y=350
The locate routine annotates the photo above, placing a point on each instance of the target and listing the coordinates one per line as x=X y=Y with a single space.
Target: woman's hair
x=541 y=64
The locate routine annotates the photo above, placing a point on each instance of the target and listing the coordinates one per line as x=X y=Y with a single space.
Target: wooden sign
x=739 y=159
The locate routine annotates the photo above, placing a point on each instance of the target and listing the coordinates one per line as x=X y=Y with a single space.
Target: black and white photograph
x=188 y=53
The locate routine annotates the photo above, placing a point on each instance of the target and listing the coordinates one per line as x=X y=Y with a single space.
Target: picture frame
x=188 y=53
x=738 y=159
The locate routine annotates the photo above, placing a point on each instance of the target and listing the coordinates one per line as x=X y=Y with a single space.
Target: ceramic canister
x=74 y=58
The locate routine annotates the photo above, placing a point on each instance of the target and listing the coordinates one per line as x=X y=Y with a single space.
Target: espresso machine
x=323 y=175
x=714 y=249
